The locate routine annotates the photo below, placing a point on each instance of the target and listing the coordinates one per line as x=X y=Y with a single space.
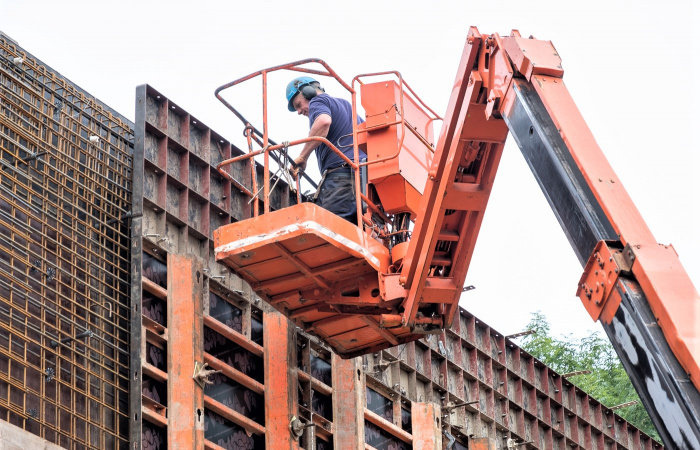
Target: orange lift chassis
x=399 y=272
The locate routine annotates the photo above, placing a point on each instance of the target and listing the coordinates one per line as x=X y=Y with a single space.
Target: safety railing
x=268 y=146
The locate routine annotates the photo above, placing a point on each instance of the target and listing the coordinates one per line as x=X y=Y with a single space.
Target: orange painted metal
x=388 y=426
x=185 y=396
x=297 y=66
x=532 y=56
x=249 y=425
x=280 y=387
x=465 y=163
x=598 y=280
x=154 y=417
x=308 y=263
x=482 y=443
x=671 y=294
x=347 y=403
x=233 y=335
x=398 y=161
x=674 y=300
x=426 y=427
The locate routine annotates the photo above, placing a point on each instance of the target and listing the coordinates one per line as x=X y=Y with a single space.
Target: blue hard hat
x=294 y=87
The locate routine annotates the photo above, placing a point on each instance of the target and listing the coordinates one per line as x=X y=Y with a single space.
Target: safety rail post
x=266 y=154
x=253 y=173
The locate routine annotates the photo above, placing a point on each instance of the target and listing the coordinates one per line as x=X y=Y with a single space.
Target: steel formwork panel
x=65 y=188
x=516 y=397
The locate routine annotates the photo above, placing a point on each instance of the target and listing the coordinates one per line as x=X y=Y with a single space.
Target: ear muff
x=308 y=91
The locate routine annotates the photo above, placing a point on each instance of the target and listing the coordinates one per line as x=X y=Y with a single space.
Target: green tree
x=608 y=382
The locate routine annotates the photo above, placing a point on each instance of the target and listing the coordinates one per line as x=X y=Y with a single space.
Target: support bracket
x=602 y=270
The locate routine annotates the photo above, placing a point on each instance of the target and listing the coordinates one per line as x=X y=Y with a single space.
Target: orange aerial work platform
x=346 y=282
x=311 y=264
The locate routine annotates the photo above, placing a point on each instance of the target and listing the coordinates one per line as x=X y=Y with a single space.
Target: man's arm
x=319 y=128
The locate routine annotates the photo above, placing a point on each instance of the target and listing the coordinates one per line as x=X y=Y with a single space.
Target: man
x=331 y=118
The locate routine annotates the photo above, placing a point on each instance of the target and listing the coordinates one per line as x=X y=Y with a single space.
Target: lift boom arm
x=636 y=287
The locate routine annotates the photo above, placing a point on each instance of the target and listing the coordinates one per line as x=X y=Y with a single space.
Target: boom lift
x=399 y=272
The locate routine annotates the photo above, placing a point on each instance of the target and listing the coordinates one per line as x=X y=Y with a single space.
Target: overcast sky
x=633 y=67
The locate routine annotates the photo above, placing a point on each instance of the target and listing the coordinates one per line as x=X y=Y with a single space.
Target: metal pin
x=520 y=334
x=623 y=405
x=459 y=405
x=511 y=444
x=573 y=374
x=126 y=215
x=33 y=156
x=84 y=334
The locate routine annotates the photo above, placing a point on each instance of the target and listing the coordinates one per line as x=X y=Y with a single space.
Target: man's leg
x=338 y=196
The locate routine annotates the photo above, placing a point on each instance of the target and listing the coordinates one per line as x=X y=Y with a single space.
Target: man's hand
x=301 y=164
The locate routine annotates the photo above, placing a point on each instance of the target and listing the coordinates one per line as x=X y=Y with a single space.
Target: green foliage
x=608 y=382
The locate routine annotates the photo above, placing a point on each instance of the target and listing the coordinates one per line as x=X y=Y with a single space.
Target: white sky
x=633 y=67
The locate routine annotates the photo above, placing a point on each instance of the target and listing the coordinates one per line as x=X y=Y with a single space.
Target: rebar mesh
x=65 y=184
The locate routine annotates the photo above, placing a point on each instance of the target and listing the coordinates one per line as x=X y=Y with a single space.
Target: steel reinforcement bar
x=65 y=197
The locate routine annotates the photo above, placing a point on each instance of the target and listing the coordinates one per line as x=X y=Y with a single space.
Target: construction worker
x=331 y=118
